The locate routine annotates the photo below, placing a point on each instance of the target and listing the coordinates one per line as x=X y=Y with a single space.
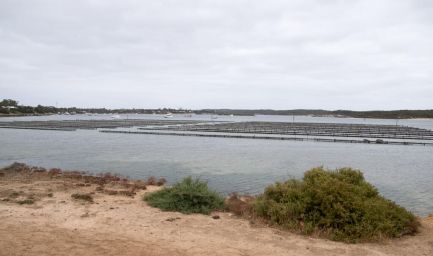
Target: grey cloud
x=199 y=54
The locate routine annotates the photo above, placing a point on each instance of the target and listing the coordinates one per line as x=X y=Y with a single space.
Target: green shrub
x=187 y=196
x=339 y=205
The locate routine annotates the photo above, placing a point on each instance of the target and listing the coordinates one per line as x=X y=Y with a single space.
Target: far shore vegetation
x=9 y=107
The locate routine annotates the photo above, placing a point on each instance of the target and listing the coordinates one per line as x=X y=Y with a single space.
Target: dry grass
x=152 y=181
x=108 y=183
x=239 y=205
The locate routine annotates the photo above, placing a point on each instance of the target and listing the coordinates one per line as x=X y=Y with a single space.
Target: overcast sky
x=286 y=54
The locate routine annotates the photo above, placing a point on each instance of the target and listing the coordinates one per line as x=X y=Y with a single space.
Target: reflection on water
x=402 y=173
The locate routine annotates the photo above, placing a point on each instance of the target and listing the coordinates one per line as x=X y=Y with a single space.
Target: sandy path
x=120 y=225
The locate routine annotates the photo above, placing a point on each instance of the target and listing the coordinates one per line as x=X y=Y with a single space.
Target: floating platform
x=39 y=128
x=295 y=131
x=92 y=124
x=311 y=129
x=270 y=137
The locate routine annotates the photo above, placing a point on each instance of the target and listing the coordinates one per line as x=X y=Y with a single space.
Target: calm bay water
x=401 y=173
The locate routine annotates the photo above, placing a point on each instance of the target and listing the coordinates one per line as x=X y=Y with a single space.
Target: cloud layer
x=237 y=54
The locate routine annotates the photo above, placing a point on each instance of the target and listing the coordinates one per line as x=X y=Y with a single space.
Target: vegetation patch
x=25 y=201
x=187 y=196
x=339 y=205
x=152 y=181
x=83 y=197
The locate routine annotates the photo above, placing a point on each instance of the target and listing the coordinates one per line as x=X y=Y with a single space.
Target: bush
x=152 y=181
x=26 y=201
x=84 y=197
x=187 y=196
x=339 y=205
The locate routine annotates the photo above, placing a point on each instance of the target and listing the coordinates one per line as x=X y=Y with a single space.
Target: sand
x=57 y=224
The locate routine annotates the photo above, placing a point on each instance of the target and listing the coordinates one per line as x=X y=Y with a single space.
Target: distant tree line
x=392 y=114
x=11 y=107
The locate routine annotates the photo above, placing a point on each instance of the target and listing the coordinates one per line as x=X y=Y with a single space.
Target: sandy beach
x=57 y=224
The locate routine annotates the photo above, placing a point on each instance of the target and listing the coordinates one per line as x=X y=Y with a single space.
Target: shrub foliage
x=339 y=205
x=187 y=196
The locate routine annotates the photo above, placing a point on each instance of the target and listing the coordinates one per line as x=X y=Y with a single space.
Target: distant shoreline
x=199 y=114
x=12 y=107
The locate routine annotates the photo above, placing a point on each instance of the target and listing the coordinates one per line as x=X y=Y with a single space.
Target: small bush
x=84 y=197
x=26 y=201
x=188 y=196
x=16 y=167
x=139 y=185
x=15 y=194
x=339 y=205
x=161 y=181
x=151 y=181
x=111 y=192
x=54 y=172
x=126 y=193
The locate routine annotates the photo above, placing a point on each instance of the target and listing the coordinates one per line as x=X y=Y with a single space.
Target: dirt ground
x=54 y=223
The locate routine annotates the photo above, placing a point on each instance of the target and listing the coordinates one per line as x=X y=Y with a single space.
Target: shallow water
x=401 y=173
